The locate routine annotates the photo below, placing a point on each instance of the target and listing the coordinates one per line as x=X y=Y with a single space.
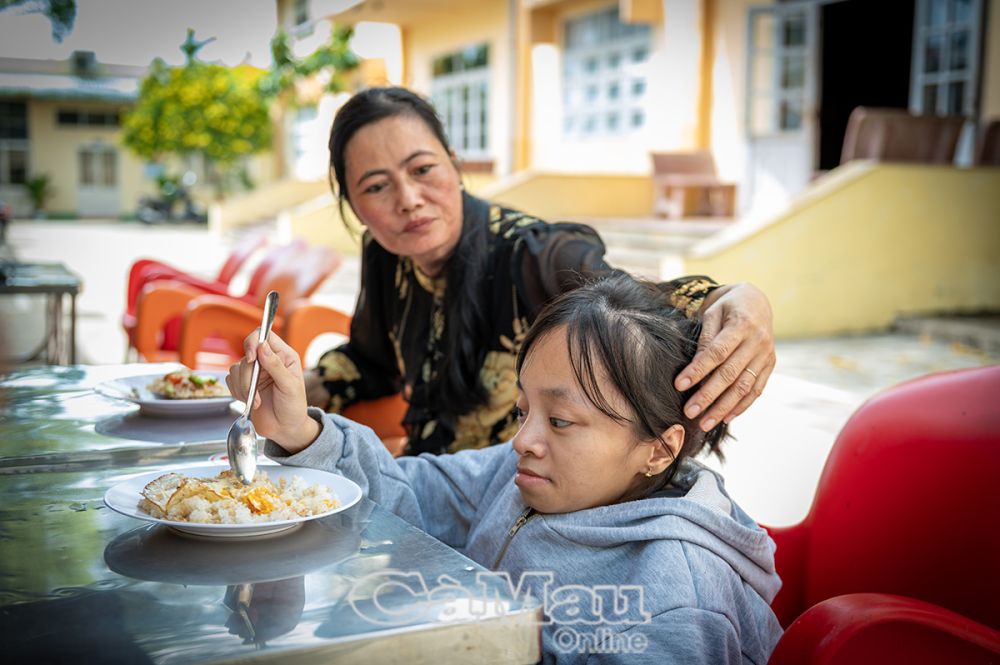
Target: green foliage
x=40 y=190
x=200 y=109
x=286 y=69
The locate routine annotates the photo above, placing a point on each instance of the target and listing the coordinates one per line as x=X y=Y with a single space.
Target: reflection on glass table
x=263 y=611
x=53 y=414
x=157 y=554
x=81 y=583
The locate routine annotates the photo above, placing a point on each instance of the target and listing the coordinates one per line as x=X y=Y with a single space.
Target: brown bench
x=685 y=184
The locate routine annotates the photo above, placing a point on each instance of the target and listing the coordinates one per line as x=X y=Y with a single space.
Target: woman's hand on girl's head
x=735 y=352
x=279 y=409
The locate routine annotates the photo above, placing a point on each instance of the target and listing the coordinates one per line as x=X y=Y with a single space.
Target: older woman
x=450 y=284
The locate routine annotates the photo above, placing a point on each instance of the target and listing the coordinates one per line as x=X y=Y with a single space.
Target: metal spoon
x=241 y=442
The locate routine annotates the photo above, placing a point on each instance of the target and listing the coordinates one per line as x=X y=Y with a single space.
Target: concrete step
x=981 y=332
x=652 y=248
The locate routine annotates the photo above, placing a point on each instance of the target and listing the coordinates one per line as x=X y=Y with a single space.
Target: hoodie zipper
x=521 y=521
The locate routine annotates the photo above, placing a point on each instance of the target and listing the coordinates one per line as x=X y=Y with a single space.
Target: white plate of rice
x=135 y=389
x=319 y=493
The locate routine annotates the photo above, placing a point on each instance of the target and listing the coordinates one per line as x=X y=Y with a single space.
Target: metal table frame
x=54 y=281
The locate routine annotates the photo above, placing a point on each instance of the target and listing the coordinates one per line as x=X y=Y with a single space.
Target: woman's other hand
x=316 y=394
x=279 y=409
x=736 y=352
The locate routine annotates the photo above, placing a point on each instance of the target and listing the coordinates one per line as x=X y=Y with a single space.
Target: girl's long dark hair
x=627 y=331
x=458 y=388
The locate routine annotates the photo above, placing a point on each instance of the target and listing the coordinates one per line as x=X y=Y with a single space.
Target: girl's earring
x=649 y=473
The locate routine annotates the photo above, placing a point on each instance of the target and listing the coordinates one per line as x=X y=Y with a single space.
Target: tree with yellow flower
x=201 y=109
x=221 y=114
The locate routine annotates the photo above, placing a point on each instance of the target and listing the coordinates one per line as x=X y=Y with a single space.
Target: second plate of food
x=181 y=393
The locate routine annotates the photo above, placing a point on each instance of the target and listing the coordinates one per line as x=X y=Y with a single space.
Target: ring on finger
x=752 y=373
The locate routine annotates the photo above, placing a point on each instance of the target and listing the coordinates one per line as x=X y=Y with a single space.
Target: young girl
x=597 y=489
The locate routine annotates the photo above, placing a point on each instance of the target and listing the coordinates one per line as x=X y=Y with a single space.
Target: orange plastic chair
x=904 y=515
x=305 y=322
x=162 y=302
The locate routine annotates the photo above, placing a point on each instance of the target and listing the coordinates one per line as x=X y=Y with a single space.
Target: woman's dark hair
x=458 y=388
x=626 y=330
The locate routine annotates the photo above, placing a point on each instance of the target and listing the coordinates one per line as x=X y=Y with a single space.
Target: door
x=945 y=78
x=97 y=192
x=781 y=103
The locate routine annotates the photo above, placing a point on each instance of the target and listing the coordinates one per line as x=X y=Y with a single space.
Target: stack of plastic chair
x=162 y=302
x=146 y=271
x=231 y=319
x=897 y=560
x=307 y=321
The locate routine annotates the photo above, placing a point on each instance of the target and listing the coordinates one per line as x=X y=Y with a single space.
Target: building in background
x=593 y=86
x=62 y=119
x=555 y=107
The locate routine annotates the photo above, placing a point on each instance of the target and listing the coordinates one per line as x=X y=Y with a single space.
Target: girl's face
x=405 y=188
x=573 y=456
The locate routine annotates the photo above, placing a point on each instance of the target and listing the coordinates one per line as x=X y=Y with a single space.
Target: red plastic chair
x=877 y=628
x=145 y=271
x=906 y=513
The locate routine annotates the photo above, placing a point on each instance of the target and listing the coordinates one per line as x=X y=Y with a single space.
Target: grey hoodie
x=704 y=568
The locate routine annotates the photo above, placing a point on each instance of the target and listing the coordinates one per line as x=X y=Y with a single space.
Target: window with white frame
x=945 y=57
x=779 y=52
x=13 y=143
x=460 y=90
x=605 y=75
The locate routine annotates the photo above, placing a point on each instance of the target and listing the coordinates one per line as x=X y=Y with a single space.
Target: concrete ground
x=780 y=444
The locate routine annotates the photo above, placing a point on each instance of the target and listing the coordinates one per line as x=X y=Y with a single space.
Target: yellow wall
x=557 y=196
x=991 y=63
x=264 y=202
x=54 y=151
x=319 y=222
x=868 y=243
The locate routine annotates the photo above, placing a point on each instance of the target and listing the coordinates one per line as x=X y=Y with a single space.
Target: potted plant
x=40 y=190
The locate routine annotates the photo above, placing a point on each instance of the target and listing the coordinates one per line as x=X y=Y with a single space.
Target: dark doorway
x=866 y=49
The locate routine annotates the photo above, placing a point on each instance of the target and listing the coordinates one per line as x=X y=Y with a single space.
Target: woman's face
x=572 y=456
x=404 y=187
